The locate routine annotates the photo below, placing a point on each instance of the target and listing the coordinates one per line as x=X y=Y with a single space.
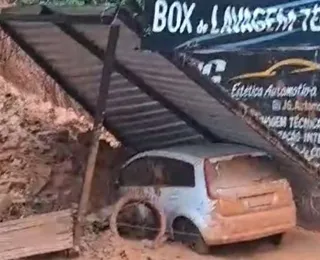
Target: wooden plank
x=108 y=62
x=36 y=235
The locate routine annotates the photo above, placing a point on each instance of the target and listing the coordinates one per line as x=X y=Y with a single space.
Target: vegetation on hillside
x=126 y=3
x=134 y=6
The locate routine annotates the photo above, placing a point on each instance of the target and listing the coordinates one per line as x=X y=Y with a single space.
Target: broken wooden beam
x=36 y=235
x=97 y=129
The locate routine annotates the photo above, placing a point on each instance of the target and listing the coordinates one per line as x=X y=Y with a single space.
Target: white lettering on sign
x=202 y=27
x=297 y=122
x=290 y=136
x=274 y=121
x=301 y=90
x=309 y=154
x=213 y=69
x=314 y=21
x=301 y=106
x=240 y=91
x=258 y=26
x=314 y=153
x=159 y=19
x=311 y=137
x=176 y=17
x=244 y=19
x=214 y=20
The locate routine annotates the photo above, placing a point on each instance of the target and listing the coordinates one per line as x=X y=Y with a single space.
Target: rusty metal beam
x=97 y=129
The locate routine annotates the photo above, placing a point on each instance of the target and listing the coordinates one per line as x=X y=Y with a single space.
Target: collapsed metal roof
x=155 y=99
x=151 y=102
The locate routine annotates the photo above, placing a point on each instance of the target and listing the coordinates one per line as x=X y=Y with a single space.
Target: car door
x=137 y=177
x=174 y=180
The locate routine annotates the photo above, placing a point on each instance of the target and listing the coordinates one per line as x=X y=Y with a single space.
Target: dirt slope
x=42 y=153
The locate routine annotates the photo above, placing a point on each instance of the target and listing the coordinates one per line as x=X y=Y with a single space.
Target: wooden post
x=97 y=130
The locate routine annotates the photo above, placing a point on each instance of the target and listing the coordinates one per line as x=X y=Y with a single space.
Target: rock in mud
x=5 y=202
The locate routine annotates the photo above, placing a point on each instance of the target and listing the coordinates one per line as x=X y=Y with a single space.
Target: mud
x=297 y=245
x=43 y=154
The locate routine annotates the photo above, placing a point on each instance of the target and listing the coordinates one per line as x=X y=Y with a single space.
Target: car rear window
x=243 y=170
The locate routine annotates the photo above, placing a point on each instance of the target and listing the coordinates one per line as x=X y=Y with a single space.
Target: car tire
x=187 y=233
x=276 y=239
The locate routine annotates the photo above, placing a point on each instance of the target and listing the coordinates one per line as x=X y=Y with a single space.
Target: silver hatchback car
x=219 y=193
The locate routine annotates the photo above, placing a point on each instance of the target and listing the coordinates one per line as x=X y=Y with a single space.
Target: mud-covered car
x=213 y=194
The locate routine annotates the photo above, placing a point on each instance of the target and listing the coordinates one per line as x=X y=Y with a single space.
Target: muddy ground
x=297 y=245
x=42 y=158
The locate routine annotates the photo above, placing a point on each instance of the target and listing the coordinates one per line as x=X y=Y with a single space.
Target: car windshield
x=243 y=170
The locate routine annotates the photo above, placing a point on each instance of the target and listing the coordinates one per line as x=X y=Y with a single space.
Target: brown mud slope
x=43 y=154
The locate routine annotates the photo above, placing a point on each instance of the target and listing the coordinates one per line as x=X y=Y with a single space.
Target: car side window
x=137 y=173
x=172 y=172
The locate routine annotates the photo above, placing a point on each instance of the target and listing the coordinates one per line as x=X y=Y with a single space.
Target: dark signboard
x=203 y=26
x=264 y=53
x=282 y=86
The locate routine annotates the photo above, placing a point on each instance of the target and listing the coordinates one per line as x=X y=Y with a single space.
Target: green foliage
x=52 y=2
x=133 y=5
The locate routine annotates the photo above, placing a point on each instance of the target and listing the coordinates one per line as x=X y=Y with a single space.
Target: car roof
x=213 y=150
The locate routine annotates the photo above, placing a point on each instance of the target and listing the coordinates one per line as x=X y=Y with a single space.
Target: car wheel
x=276 y=239
x=187 y=233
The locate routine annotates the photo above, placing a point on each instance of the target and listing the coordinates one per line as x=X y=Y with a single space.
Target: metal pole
x=109 y=58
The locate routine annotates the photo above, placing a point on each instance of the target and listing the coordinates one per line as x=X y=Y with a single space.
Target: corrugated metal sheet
x=82 y=70
x=143 y=122
x=175 y=86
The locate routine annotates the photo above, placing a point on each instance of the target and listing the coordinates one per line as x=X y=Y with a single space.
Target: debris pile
x=42 y=154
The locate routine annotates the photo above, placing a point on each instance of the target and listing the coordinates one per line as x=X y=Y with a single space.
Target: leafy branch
x=132 y=5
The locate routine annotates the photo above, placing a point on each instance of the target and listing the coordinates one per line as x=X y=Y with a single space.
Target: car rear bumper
x=250 y=226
